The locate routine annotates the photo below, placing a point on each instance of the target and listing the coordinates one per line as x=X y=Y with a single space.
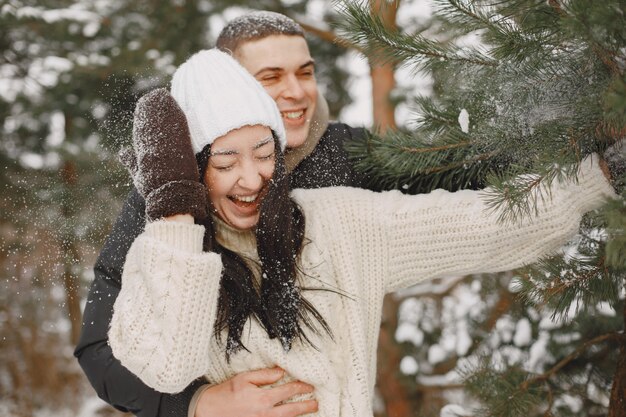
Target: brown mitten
x=163 y=165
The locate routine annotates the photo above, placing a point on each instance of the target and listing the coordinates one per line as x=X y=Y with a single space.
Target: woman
x=270 y=280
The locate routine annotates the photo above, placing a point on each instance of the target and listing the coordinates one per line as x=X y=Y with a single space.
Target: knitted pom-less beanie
x=218 y=95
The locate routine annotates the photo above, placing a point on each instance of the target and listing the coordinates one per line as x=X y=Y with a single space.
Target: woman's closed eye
x=223 y=162
x=224 y=167
x=266 y=157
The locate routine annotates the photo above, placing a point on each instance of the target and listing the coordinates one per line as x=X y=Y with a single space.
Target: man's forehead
x=276 y=52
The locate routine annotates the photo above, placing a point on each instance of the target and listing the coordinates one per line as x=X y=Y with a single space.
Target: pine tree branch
x=435 y=148
x=437 y=387
x=451 y=166
x=565 y=281
x=548 y=413
x=329 y=36
x=370 y=32
x=557 y=7
x=617 y=403
x=569 y=358
x=468 y=11
x=607 y=59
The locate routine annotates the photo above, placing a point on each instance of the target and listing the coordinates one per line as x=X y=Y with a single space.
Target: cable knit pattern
x=361 y=244
x=167 y=281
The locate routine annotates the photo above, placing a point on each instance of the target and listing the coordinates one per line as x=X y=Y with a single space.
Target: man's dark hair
x=254 y=26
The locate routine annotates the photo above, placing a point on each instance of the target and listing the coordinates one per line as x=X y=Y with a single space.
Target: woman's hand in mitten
x=164 y=167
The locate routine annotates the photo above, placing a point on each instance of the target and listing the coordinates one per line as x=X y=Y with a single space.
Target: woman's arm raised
x=400 y=239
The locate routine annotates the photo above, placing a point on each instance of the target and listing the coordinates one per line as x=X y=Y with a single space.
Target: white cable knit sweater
x=362 y=243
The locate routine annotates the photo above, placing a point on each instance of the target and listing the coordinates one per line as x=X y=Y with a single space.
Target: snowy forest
x=455 y=94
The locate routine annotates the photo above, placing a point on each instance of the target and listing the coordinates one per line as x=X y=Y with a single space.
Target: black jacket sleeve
x=113 y=383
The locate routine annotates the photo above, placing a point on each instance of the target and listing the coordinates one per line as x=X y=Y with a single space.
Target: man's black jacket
x=326 y=166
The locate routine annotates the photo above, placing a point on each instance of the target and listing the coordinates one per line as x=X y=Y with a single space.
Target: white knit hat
x=218 y=95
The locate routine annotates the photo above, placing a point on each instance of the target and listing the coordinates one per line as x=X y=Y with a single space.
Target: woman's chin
x=241 y=223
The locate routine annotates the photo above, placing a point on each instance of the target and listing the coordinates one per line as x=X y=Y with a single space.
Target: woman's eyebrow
x=258 y=145
x=263 y=142
x=224 y=152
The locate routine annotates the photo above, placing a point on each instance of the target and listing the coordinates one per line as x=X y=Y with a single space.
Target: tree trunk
x=617 y=406
x=394 y=393
x=383 y=75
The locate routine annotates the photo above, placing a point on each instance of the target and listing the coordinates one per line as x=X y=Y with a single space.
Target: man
x=272 y=47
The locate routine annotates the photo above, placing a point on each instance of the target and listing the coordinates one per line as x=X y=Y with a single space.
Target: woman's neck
x=238 y=241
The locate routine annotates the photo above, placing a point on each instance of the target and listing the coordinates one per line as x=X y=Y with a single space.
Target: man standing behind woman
x=273 y=49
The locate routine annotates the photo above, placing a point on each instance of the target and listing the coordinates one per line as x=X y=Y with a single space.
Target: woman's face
x=237 y=175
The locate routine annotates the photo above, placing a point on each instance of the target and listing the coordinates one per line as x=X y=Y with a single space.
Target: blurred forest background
x=70 y=75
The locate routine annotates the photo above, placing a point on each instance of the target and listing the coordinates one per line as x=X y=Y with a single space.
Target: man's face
x=284 y=67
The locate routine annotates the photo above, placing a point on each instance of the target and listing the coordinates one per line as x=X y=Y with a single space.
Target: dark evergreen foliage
x=544 y=87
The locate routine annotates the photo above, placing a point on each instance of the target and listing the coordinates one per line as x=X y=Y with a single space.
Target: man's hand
x=244 y=395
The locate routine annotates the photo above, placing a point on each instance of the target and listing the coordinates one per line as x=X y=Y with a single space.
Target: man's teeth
x=246 y=199
x=293 y=114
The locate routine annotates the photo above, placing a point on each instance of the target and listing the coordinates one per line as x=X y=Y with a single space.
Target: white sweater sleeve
x=399 y=240
x=441 y=233
x=163 y=317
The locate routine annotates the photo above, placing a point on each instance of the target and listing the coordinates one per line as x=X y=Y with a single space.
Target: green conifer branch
x=524 y=386
x=515 y=392
x=555 y=94
x=584 y=283
x=413 y=164
x=465 y=15
x=369 y=32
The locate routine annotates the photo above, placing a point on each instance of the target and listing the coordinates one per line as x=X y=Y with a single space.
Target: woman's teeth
x=245 y=199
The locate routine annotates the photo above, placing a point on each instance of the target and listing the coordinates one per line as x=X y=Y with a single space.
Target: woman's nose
x=250 y=177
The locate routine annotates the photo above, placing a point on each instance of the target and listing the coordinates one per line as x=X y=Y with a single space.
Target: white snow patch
x=410 y=310
x=515 y=285
x=91 y=29
x=598 y=395
x=409 y=366
x=454 y=410
x=574 y=404
x=511 y=355
x=547 y=323
x=605 y=309
x=539 y=355
x=436 y=354
x=523 y=333
x=407 y=332
x=31 y=160
x=57 y=129
x=414 y=12
x=463 y=339
x=464 y=120
x=505 y=327
x=451 y=377
x=316 y=9
x=411 y=85
x=360 y=111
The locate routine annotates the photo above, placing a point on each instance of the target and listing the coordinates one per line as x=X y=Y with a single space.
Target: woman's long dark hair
x=278 y=304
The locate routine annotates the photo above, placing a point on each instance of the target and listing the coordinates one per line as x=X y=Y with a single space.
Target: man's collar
x=318 y=126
